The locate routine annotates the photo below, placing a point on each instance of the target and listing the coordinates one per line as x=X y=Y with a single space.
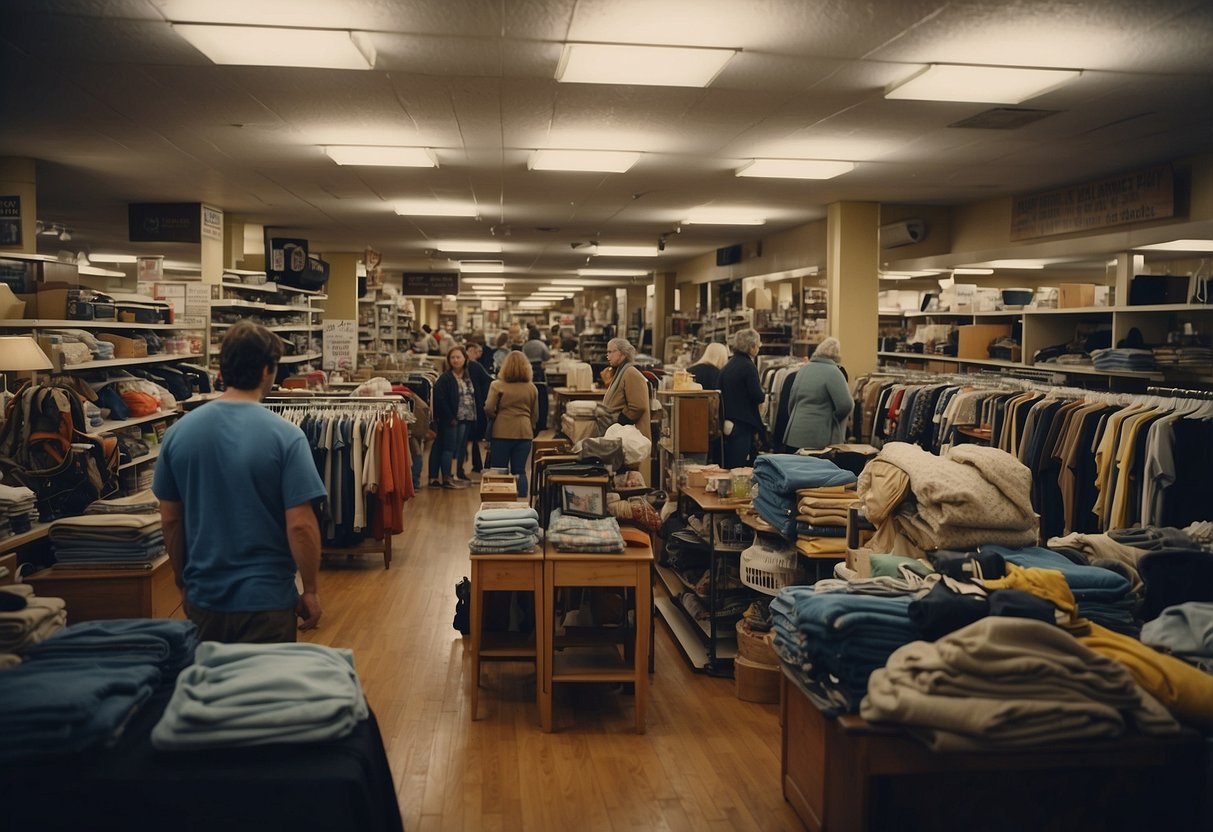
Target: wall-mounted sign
x=10 y=220
x=430 y=283
x=340 y=345
x=374 y=275
x=212 y=222
x=166 y=222
x=1138 y=196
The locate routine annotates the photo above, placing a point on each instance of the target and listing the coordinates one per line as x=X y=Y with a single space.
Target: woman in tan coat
x=513 y=405
x=627 y=396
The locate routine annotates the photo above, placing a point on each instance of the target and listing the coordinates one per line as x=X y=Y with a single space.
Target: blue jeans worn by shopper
x=442 y=454
x=511 y=453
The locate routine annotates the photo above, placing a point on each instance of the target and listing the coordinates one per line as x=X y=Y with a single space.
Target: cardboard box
x=697 y=475
x=125 y=347
x=975 y=339
x=498 y=491
x=52 y=301
x=1076 y=295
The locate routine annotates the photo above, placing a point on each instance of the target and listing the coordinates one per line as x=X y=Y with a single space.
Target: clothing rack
x=1180 y=392
x=397 y=404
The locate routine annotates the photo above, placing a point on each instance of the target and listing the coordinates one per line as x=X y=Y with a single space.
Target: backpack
x=463 y=597
x=45 y=447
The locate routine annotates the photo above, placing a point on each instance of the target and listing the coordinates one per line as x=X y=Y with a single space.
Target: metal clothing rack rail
x=321 y=402
x=1180 y=392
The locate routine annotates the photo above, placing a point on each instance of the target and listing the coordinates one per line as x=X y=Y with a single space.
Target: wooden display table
x=597 y=658
x=499 y=490
x=522 y=572
x=842 y=774
x=112 y=593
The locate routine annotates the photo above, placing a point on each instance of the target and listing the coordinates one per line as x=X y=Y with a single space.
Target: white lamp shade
x=21 y=352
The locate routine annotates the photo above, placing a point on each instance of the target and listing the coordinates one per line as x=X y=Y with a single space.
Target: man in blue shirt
x=237 y=485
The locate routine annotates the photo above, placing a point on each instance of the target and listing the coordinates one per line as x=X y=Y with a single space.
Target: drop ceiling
x=118 y=108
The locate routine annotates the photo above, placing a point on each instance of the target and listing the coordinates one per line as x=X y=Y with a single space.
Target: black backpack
x=43 y=446
x=463 y=597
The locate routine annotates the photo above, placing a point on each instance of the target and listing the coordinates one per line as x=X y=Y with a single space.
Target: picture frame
x=583 y=500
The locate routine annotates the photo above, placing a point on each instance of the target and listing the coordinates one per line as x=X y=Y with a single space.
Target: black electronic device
x=729 y=255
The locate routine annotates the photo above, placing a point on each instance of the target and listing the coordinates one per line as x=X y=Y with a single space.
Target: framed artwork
x=583 y=500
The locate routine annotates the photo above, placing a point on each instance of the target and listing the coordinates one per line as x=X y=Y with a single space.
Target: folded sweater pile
x=100 y=538
x=253 y=694
x=25 y=624
x=18 y=507
x=505 y=530
x=1103 y=596
x=122 y=642
x=1008 y=683
x=141 y=502
x=780 y=476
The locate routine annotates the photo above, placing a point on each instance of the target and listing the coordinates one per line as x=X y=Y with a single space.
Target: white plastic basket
x=770 y=570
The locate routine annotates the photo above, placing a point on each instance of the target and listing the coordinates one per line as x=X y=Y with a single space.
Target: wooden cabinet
x=93 y=594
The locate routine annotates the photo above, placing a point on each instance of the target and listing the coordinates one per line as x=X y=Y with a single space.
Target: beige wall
x=787 y=250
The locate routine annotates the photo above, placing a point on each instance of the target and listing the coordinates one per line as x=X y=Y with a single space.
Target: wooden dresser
x=112 y=593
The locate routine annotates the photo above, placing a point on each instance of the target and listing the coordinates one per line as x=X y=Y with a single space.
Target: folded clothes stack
x=107 y=538
x=27 y=619
x=781 y=476
x=584 y=534
x=253 y=694
x=821 y=519
x=57 y=707
x=168 y=645
x=1124 y=358
x=500 y=530
x=142 y=502
x=18 y=510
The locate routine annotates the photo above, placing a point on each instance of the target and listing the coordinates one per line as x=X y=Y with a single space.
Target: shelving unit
x=690 y=427
x=383 y=330
x=1047 y=327
x=285 y=310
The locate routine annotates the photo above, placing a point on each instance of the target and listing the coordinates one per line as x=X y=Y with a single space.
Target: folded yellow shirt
x=821 y=546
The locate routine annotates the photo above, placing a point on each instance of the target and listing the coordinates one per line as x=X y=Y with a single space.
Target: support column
x=663 y=308
x=19 y=178
x=852 y=267
x=342 y=288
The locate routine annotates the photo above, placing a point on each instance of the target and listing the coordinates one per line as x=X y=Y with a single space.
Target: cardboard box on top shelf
x=975 y=339
x=52 y=300
x=125 y=347
x=1076 y=295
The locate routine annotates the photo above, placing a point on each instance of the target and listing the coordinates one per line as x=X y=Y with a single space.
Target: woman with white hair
x=819 y=403
x=707 y=369
x=740 y=394
x=627 y=396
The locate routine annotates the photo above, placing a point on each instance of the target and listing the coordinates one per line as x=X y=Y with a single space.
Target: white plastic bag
x=636 y=446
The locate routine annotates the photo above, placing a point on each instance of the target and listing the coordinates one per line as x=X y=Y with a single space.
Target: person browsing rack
x=740 y=395
x=819 y=403
x=454 y=414
x=238 y=490
x=513 y=407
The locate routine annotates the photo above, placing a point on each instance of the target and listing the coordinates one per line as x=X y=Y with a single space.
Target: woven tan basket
x=755 y=646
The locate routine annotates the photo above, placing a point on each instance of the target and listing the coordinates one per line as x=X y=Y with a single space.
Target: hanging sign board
x=165 y=222
x=430 y=283
x=1138 y=196
x=212 y=223
x=10 y=220
x=340 y=345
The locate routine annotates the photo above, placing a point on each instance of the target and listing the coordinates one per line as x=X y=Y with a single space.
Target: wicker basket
x=755 y=647
x=770 y=570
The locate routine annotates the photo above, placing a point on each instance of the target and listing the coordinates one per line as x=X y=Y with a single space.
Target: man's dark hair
x=247 y=349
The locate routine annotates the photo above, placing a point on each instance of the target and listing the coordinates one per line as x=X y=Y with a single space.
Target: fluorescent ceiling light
x=575 y=284
x=982 y=84
x=795 y=168
x=1017 y=264
x=481 y=267
x=436 y=208
x=650 y=66
x=972 y=271
x=722 y=216
x=611 y=272
x=279 y=46
x=534 y=304
x=482 y=246
x=104 y=257
x=597 y=161
x=624 y=251
x=895 y=276
x=381 y=156
x=902 y=274
x=480 y=284
x=1173 y=245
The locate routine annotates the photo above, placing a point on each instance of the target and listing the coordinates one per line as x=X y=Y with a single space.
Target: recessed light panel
x=436 y=208
x=484 y=246
x=380 y=156
x=590 y=161
x=280 y=46
x=481 y=267
x=650 y=66
x=723 y=216
x=795 y=168
x=612 y=272
x=983 y=84
x=625 y=251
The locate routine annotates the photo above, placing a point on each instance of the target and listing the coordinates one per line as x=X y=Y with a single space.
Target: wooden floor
x=708 y=761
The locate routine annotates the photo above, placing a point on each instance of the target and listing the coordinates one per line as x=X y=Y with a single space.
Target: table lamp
x=20 y=353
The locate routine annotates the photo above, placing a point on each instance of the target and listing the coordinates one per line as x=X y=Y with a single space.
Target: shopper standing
x=513 y=405
x=819 y=403
x=480 y=385
x=534 y=348
x=707 y=369
x=740 y=395
x=238 y=490
x=454 y=413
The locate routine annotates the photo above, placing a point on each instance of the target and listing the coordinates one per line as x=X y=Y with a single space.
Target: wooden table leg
x=644 y=606
x=476 y=624
x=548 y=627
x=541 y=656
